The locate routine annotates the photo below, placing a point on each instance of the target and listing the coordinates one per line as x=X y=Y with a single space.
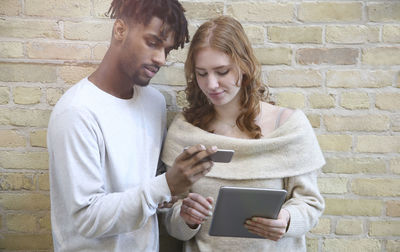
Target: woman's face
x=217 y=76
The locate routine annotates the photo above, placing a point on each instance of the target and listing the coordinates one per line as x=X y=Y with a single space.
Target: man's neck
x=111 y=80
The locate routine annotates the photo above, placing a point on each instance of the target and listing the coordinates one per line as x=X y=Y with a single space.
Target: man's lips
x=151 y=70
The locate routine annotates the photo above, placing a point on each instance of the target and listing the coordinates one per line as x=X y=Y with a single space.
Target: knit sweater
x=104 y=153
x=288 y=158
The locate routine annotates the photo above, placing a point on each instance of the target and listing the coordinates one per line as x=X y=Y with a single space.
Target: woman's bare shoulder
x=277 y=113
x=285 y=115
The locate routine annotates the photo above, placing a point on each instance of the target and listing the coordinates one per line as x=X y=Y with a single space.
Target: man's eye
x=152 y=43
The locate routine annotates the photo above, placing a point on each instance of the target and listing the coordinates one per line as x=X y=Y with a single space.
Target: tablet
x=235 y=205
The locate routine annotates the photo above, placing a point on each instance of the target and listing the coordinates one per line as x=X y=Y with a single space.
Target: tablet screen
x=235 y=205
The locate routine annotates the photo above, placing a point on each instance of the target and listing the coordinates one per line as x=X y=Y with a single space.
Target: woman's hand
x=269 y=228
x=196 y=209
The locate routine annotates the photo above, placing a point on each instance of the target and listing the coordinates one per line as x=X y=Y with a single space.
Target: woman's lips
x=216 y=94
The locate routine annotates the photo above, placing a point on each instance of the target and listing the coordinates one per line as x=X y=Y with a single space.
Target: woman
x=274 y=147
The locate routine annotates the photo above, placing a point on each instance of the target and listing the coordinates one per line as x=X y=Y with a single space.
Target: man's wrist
x=170 y=186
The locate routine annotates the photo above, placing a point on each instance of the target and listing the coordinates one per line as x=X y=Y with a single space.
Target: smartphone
x=221 y=156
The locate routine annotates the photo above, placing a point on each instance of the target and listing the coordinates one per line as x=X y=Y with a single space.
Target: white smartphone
x=221 y=156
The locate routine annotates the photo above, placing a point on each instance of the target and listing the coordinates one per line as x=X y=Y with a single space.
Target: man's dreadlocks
x=170 y=12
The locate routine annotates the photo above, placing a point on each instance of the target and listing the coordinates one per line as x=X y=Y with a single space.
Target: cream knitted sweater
x=288 y=158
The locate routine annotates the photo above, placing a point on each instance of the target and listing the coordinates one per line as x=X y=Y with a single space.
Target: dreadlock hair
x=226 y=35
x=170 y=12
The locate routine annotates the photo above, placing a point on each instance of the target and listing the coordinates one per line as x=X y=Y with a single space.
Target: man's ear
x=120 y=30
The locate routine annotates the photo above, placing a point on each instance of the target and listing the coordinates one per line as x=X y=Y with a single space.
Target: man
x=105 y=136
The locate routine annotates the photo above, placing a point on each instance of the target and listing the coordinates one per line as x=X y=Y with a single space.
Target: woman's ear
x=120 y=30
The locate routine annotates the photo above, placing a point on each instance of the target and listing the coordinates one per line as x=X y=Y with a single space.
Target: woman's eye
x=201 y=74
x=224 y=72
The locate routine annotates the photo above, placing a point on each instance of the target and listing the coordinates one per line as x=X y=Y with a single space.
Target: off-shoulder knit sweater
x=288 y=158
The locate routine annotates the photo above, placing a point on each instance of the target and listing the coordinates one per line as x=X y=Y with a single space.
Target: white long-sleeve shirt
x=103 y=154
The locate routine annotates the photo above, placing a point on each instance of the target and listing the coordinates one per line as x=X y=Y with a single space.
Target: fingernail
x=202 y=147
x=214 y=148
x=210 y=213
x=248 y=222
x=210 y=207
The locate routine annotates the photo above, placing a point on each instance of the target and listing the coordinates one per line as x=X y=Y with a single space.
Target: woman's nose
x=212 y=82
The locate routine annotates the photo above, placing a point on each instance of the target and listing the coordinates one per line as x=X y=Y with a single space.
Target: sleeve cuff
x=186 y=230
x=159 y=190
x=177 y=227
x=296 y=225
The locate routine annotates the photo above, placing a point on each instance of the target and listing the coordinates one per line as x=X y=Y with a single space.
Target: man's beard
x=140 y=81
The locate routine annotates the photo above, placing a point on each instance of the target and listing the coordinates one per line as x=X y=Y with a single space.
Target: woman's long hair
x=225 y=34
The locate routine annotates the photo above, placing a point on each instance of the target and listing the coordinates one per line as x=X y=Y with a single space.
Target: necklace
x=224 y=123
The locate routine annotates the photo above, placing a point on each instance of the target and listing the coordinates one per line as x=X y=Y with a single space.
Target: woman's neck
x=227 y=114
x=225 y=122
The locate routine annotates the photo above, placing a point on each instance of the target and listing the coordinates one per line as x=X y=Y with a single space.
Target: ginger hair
x=227 y=35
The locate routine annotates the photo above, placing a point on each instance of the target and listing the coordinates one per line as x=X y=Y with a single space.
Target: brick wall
x=339 y=61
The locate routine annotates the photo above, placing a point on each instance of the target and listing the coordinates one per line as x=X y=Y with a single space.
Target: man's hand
x=269 y=228
x=189 y=167
x=196 y=209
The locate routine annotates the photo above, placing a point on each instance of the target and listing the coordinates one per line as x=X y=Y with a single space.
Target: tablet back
x=235 y=205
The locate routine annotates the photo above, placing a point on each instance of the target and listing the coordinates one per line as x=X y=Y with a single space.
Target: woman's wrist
x=287 y=217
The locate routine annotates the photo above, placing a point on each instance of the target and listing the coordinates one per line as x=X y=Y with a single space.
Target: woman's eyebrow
x=216 y=68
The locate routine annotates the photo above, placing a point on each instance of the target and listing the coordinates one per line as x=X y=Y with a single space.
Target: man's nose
x=159 y=57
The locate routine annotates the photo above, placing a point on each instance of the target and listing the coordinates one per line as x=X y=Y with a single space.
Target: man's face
x=144 y=51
